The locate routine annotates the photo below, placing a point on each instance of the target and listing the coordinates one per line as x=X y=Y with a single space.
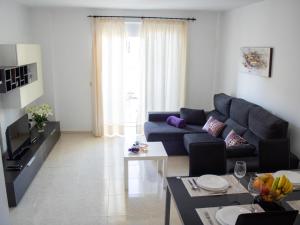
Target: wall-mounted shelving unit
x=14 y=77
x=19 y=61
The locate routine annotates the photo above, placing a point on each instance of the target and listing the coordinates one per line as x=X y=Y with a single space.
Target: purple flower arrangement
x=135 y=148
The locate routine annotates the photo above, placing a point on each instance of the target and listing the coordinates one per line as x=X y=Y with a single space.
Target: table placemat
x=295 y=204
x=234 y=187
x=208 y=215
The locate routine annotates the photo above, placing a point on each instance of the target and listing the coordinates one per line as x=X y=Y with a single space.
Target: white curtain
x=108 y=78
x=164 y=46
x=161 y=84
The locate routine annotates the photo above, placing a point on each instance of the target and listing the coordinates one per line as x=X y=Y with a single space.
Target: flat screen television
x=17 y=137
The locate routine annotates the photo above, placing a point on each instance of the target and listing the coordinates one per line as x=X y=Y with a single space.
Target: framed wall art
x=256 y=61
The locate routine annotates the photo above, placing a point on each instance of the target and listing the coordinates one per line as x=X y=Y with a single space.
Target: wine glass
x=240 y=169
x=254 y=189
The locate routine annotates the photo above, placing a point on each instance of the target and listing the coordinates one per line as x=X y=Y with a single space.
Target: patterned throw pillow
x=233 y=139
x=213 y=126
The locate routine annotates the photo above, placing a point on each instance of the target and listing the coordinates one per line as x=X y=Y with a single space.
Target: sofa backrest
x=238 y=117
x=266 y=125
x=222 y=107
x=247 y=119
x=222 y=103
x=239 y=111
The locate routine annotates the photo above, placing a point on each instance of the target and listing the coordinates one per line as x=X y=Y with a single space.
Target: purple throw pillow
x=233 y=139
x=213 y=126
x=175 y=121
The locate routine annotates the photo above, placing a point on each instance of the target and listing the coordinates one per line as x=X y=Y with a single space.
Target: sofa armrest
x=161 y=116
x=274 y=154
x=207 y=158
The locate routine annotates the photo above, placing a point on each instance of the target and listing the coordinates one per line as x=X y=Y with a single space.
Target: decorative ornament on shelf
x=273 y=189
x=40 y=114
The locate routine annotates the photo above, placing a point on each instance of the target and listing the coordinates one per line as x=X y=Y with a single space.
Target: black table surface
x=187 y=205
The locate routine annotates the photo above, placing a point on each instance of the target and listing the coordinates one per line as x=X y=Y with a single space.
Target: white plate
x=294 y=177
x=212 y=183
x=229 y=214
x=219 y=220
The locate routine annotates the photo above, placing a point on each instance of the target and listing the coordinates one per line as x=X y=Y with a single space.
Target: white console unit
x=19 y=55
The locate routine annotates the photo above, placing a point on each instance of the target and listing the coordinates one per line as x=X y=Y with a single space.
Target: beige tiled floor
x=81 y=183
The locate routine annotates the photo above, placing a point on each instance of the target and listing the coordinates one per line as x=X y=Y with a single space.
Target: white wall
x=14 y=22
x=65 y=36
x=65 y=39
x=272 y=23
x=15 y=27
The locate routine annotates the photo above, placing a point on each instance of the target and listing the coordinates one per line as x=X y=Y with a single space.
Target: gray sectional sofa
x=268 y=144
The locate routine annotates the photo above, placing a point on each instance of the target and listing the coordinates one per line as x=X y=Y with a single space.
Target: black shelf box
x=13 y=77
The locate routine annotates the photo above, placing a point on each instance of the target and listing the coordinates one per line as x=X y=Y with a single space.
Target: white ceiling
x=144 y=4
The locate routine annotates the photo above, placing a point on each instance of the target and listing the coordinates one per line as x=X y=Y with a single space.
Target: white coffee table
x=156 y=151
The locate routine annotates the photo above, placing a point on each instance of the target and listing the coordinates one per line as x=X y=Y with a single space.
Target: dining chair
x=268 y=218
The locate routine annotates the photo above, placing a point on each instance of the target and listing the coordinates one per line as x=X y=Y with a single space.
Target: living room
x=85 y=176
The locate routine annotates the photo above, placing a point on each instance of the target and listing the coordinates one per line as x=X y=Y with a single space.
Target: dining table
x=187 y=205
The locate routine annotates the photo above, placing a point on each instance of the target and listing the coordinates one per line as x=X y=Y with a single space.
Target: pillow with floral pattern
x=233 y=139
x=213 y=126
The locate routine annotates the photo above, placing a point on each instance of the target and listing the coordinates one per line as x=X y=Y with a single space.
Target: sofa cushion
x=161 y=131
x=199 y=139
x=174 y=147
x=232 y=125
x=193 y=116
x=213 y=126
x=161 y=116
x=266 y=125
x=239 y=111
x=233 y=139
x=217 y=115
x=243 y=150
x=222 y=103
x=252 y=139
